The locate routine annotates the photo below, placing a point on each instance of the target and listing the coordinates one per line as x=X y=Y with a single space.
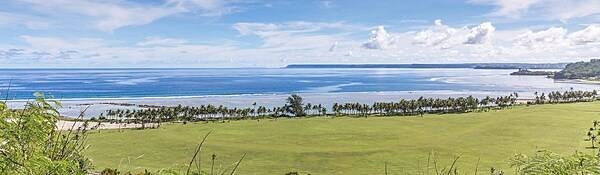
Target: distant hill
x=464 y=65
x=580 y=70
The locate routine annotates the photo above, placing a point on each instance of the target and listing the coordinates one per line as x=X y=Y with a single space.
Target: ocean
x=240 y=87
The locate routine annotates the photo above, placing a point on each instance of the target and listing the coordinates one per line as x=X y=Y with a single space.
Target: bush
x=546 y=162
x=31 y=144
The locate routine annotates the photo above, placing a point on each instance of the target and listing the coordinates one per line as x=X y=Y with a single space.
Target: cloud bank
x=315 y=42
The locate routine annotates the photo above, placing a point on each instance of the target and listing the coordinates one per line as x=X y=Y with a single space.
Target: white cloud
x=52 y=51
x=261 y=29
x=107 y=16
x=297 y=35
x=483 y=43
x=205 y=4
x=480 y=34
x=444 y=37
x=294 y=27
x=207 y=7
x=93 y=52
x=55 y=44
x=510 y=8
x=554 y=43
x=552 y=37
x=159 y=41
x=566 y=10
x=591 y=34
x=111 y=15
x=380 y=39
x=25 y=20
x=308 y=42
x=286 y=43
x=435 y=35
x=546 y=9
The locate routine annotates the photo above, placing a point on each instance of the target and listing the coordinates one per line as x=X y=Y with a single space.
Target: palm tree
x=336 y=109
x=308 y=108
x=254 y=109
x=295 y=106
x=323 y=110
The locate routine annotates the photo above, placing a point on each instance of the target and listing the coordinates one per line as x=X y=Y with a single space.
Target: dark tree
x=295 y=106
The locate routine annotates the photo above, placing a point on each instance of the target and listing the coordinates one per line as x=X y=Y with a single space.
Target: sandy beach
x=64 y=125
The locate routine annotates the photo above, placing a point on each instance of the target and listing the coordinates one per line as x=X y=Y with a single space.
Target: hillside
x=580 y=70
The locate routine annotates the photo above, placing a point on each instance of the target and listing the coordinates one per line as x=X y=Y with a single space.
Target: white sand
x=66 y=125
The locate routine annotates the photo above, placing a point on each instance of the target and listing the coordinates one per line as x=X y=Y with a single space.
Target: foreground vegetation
x=30 y=144
x=345 y=145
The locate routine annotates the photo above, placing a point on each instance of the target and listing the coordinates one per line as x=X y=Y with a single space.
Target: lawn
x=354 y=145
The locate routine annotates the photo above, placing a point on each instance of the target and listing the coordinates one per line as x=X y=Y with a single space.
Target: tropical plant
x=546 y=162
x=31 y=144
x=295 y=105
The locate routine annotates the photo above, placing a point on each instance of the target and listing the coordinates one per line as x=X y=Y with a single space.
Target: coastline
x=420 y=82
x=64 y=125
x=578 y=81
x=73 y=107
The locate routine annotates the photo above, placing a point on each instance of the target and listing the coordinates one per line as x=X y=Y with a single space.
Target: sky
x=262 y=33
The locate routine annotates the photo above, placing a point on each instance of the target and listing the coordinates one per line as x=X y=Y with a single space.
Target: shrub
x=546 y=162
x=31 y=144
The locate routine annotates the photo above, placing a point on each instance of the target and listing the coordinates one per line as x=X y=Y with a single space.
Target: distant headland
x=462 y=65
x=581 y=71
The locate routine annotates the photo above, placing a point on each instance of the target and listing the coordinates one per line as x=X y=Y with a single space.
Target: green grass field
x=354 y=145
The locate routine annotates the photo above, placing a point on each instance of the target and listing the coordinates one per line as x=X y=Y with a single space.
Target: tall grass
x=194 y=167
x=31 y=144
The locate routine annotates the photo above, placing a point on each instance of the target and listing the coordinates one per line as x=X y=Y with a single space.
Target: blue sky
x=258 y=33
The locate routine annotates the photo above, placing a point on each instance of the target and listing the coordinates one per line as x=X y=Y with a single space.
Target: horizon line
x=285 y=66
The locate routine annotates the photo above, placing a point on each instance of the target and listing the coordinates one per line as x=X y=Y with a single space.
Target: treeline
x=295 y=107
x=423 y=105
x=158 y=114
x=564 y=97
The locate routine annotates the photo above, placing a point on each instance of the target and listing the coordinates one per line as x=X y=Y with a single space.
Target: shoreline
x=579 y=81
x=426 y=93
x=73 y=107
x=65 y=125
